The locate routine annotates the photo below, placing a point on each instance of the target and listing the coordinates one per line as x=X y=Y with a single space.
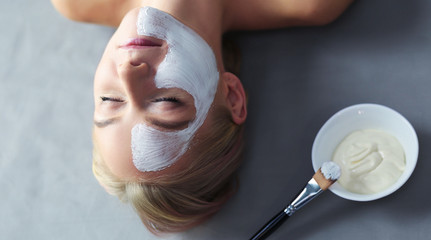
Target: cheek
x=106 y=75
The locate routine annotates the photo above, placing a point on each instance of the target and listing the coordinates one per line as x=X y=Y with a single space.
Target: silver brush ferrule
x=311 y=190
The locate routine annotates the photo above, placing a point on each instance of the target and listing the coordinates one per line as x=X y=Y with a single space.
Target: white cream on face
x=190 y=64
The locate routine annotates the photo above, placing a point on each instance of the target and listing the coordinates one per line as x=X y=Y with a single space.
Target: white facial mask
x=190 y=65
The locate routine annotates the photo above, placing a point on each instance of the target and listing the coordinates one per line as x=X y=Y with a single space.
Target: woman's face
x=125 y=94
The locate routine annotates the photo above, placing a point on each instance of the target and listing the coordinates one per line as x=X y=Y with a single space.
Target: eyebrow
x=169 y=125
x=161 y=124
x=105 y=123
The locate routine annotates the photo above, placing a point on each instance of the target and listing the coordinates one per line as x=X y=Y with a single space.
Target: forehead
x=113 y=147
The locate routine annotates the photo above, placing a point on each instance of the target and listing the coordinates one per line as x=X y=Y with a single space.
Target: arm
x=258 y=14
x=105 y=12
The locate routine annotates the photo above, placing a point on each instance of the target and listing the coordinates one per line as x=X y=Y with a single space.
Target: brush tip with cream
x=328 y=173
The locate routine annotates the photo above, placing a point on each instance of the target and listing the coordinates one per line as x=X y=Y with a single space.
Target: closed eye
x=111 y=99
x=167 y=99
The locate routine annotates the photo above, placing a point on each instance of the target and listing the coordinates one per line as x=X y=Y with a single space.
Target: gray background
x=378 y=52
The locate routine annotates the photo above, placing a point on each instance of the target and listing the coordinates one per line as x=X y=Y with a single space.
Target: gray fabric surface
x=378 y=52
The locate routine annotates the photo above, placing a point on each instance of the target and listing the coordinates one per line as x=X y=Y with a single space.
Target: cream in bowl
x=371 y=161
x=375 y=146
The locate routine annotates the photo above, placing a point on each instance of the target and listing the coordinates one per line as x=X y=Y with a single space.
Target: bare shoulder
x=105 y=12
x=258 y=14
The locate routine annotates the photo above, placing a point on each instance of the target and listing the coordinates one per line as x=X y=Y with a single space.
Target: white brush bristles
x=331 y=170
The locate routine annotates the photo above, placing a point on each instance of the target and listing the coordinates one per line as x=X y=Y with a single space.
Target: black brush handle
x=270 y=226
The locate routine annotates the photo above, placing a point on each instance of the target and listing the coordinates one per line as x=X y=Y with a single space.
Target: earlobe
x=235 y=97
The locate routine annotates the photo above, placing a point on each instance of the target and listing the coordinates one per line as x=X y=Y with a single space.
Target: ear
x=235 y=97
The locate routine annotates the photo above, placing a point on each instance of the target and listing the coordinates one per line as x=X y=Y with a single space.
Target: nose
x=136 y=78
x=129 y=71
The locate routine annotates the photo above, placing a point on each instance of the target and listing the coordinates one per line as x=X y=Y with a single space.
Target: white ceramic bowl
x=365 y=116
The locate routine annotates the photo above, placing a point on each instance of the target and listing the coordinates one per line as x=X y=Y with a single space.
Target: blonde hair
x=178 y=201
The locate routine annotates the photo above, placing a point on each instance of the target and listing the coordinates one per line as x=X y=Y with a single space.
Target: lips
x=141 y=43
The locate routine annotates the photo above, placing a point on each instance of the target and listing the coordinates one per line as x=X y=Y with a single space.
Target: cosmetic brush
x=328 y=173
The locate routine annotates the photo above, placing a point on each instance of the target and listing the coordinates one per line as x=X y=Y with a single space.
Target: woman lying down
x=168 y=117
